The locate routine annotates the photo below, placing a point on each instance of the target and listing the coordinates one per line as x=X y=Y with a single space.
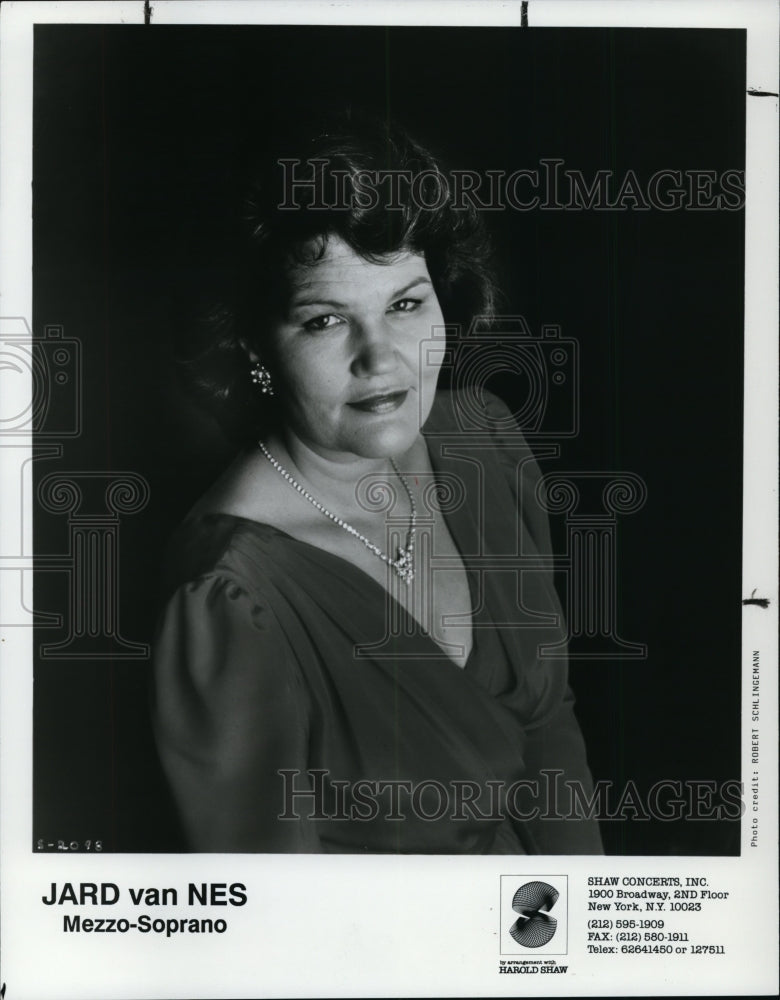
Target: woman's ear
x=249 y=351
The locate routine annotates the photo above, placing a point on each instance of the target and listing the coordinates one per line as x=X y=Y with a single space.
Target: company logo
x=534 y=915
x=534 y=927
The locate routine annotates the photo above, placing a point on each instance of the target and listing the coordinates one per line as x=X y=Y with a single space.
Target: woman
x=349 y=657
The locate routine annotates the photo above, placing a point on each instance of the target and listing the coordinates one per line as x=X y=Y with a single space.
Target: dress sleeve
x=554 y=751
x=555 y=756
x=229 y=712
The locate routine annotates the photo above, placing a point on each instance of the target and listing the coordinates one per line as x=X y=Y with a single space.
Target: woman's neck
x=329 y=475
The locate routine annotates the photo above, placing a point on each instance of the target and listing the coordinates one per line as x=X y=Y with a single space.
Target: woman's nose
x=375 y=353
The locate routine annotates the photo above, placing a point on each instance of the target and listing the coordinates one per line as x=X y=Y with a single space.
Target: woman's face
x=347 y=360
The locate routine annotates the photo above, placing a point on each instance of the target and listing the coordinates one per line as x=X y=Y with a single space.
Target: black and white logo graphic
x=533 y=915
x=534 y=927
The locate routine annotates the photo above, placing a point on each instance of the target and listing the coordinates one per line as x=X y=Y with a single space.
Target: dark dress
x=273 y=655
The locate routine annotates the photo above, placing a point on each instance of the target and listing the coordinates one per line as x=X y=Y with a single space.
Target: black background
x=136 y=134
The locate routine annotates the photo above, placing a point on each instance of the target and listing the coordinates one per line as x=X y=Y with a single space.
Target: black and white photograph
x=383 y=487
x=377 y=374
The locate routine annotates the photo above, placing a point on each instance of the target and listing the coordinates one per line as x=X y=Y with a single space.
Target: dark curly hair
x=277 y=228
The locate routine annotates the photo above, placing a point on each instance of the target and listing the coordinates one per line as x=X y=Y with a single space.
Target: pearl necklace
x=403 y=564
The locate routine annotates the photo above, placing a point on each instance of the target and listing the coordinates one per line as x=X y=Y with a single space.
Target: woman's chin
x=388 y=441
x=389 y=435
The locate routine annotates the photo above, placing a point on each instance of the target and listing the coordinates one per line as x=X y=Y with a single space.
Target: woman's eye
x=321 y=322
x=406 y=305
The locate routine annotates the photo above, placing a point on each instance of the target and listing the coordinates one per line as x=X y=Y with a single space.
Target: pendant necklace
x=403 y=564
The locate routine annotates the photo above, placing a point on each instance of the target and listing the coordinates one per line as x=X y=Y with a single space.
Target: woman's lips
x=386 y=402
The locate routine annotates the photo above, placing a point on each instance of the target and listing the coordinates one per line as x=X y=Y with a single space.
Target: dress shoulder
x=230 y=547
x=509 y=457
x=230 y=707
x=521 y=470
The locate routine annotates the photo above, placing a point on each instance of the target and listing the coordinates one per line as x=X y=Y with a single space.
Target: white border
x=306 y=932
